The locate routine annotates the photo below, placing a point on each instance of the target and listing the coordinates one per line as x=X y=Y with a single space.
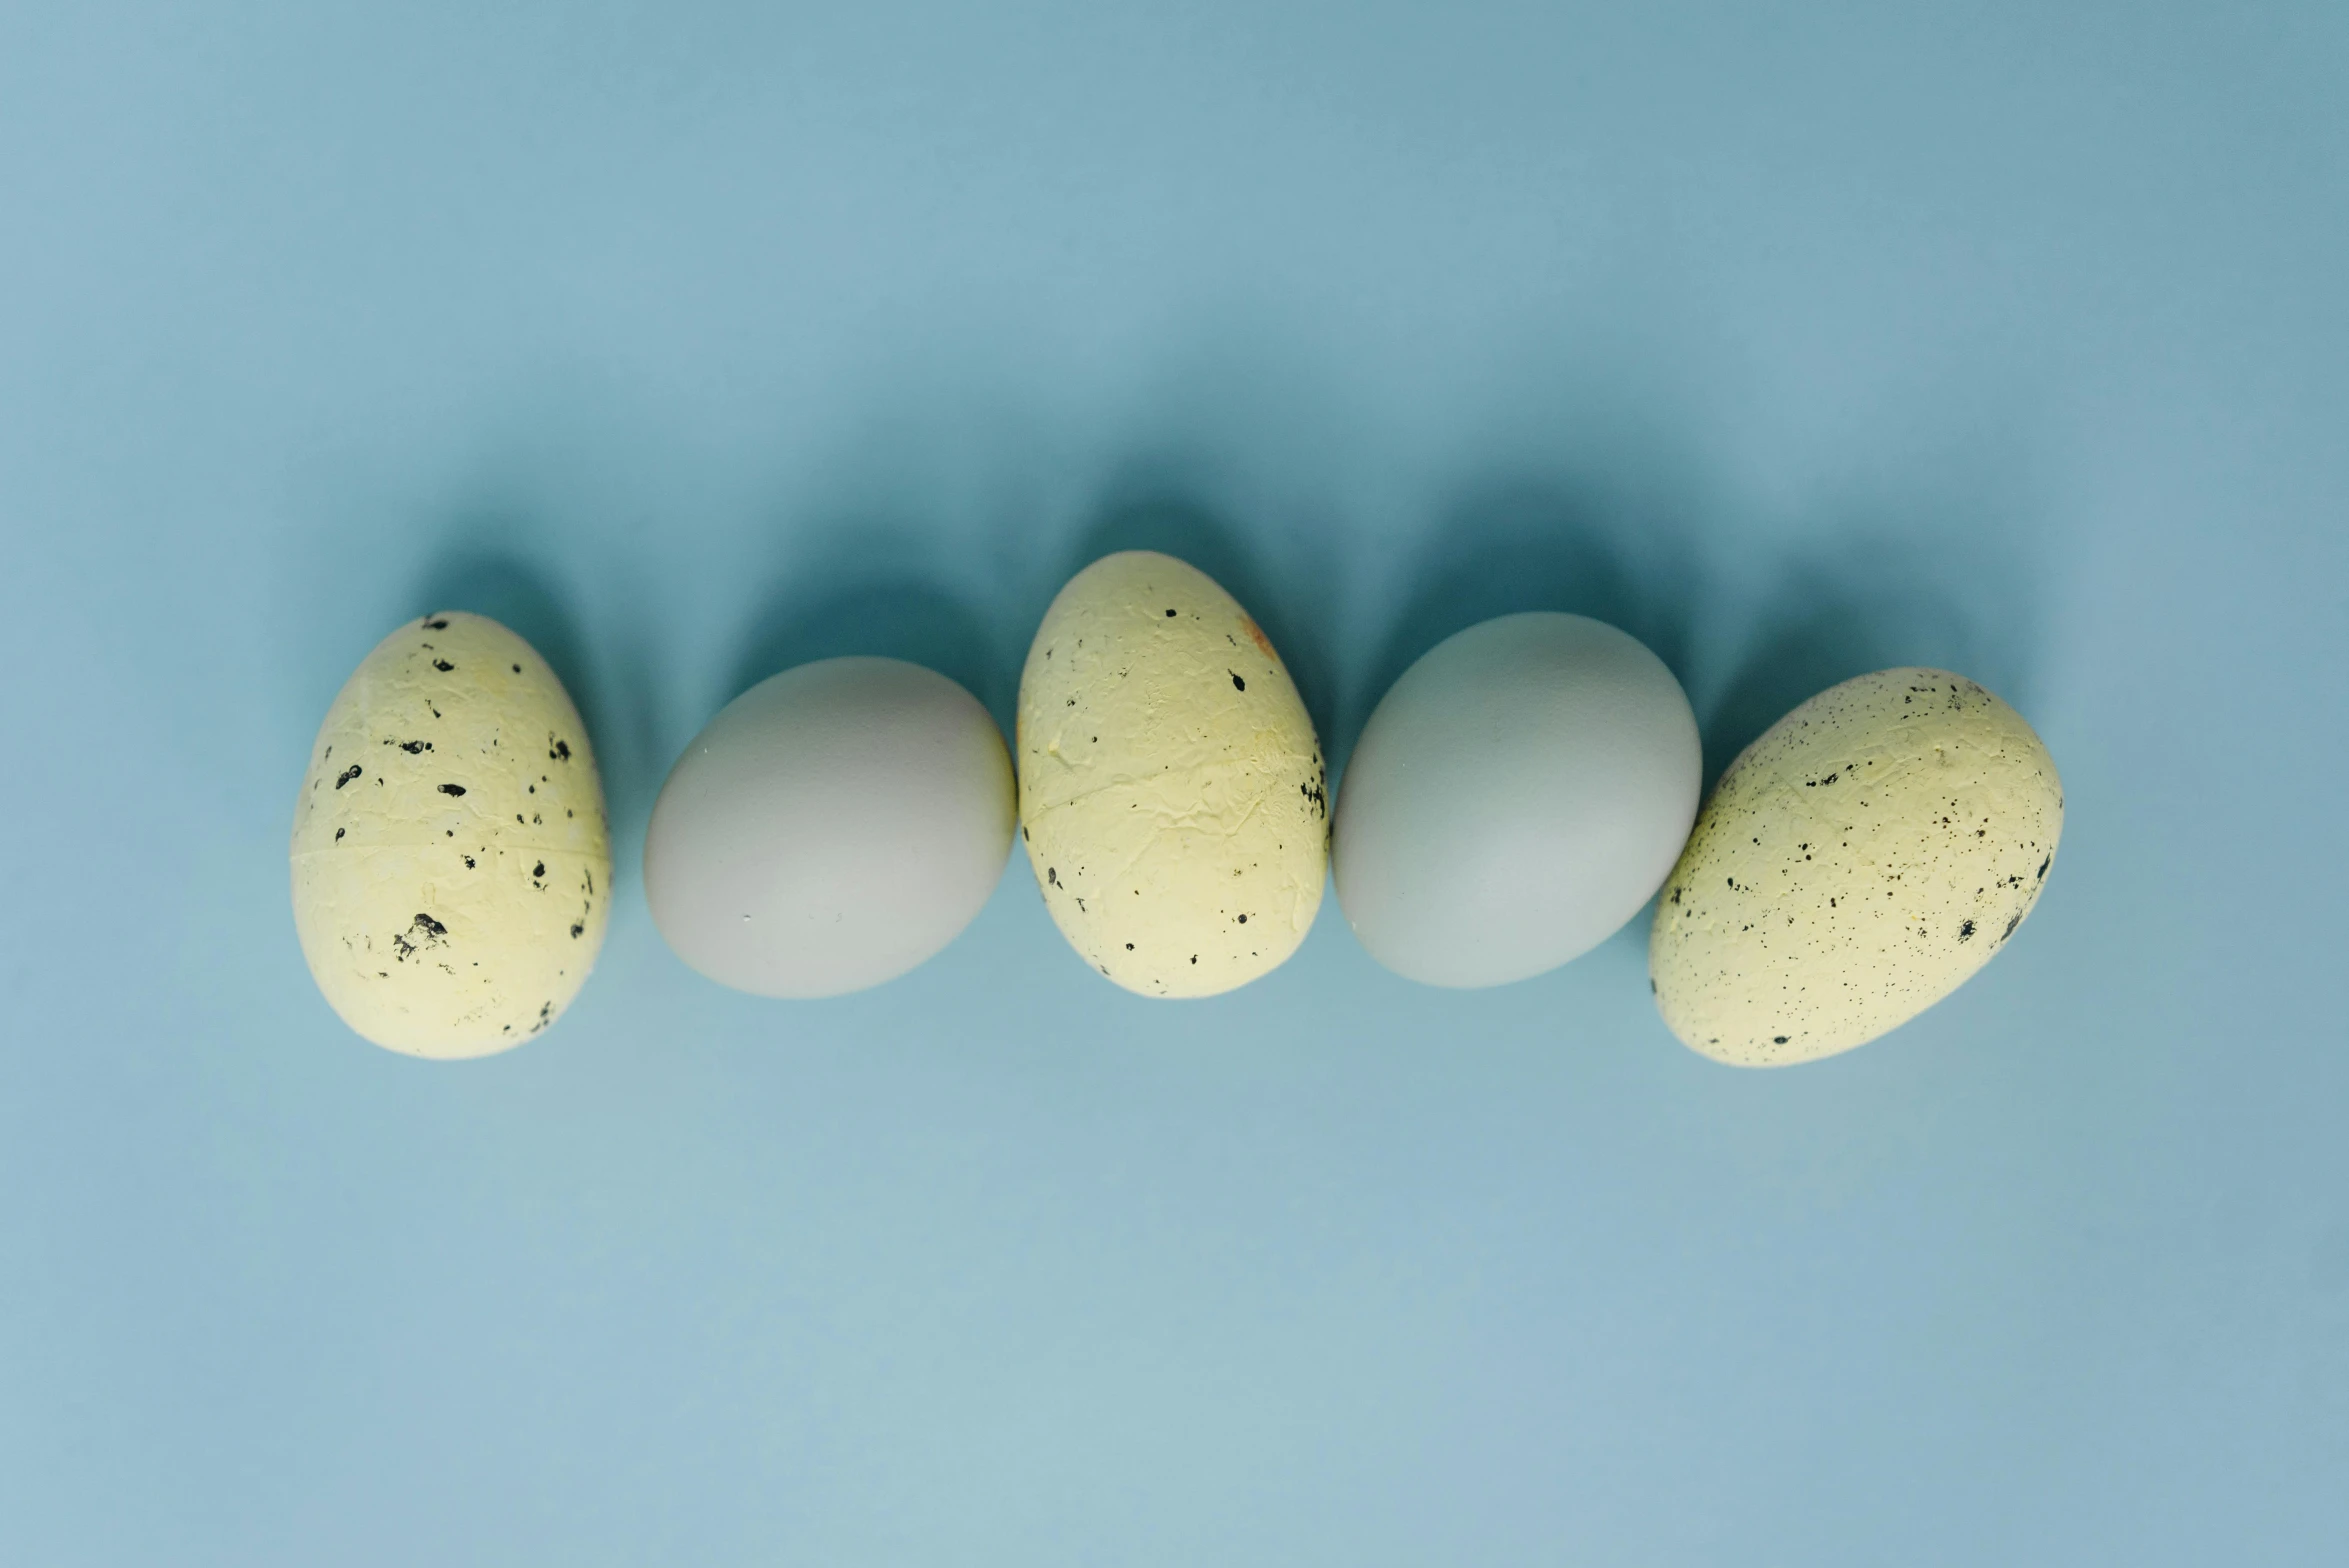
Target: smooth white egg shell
x=1516 y=797
x=832 y=828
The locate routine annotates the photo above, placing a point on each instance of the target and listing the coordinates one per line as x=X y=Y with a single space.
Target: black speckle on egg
x=348 y=774
x=1237 y=683
x=452 y=789
x=442 y=665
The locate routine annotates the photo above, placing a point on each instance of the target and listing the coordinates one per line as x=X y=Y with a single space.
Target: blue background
x=698 y=339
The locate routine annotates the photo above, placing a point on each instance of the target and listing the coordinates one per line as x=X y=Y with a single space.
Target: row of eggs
x=1522 y=792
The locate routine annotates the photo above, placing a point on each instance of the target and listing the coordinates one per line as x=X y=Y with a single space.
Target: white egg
x=1517 y=796
x=834 y=827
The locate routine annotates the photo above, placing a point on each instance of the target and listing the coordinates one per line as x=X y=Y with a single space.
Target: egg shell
x=451 y=863
x=1172 y=794
x=1855 y=865
x=1517 y=796
x=832 y=828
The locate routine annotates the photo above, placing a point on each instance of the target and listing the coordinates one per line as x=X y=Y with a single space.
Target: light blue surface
x=696 y=339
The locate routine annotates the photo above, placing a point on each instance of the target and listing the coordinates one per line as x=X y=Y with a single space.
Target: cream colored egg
x=1172 y=794
x=452 y=869
x=1857 y=864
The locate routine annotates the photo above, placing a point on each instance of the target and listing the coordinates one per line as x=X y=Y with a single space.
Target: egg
x=1516 y=797
x=452 y=869
x=1172 y=793
x=832 y=828
x=1856 y=864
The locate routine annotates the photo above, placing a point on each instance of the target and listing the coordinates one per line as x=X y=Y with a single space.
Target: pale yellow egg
x=1854 y=866
x=1172 y=794
x=452 y=869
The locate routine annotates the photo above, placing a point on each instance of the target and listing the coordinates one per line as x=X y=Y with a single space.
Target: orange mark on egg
x=1256 y=635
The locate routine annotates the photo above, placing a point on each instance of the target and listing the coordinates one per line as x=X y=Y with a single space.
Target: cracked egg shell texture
x=833 y=827
x=1858 y=863
x=451 y=864
x=1172 y=794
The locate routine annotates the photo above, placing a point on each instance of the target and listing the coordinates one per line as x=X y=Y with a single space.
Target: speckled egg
x=451 y=864
x=1172 y=793
x=1856 y=865
x=834 y=827
x=1515 y=798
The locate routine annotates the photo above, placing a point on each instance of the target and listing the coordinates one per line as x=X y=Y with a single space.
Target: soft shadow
x=1873 y=602
x=863 y=595
x=1171 y=518
x=1530 y=545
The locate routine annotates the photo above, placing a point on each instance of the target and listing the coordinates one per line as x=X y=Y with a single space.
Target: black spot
x=338 y=834
x=435 y=626
x=578 y=926
x=452 y=789
x=2012 y=922
x=349 y=774
x=1237 y=683
x=412 y=747
x=562 y=751
x=1170 y=615
x=1243 y=920
x=538 y=870
x=1778 y=1039
x=1966 y=931
x=1052 y=875
x=1129 y=947
x=2044 y=864
x=429 y=926
x=517 y=669
x=442 y=664
x=1194 y=958
x=468 y=862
